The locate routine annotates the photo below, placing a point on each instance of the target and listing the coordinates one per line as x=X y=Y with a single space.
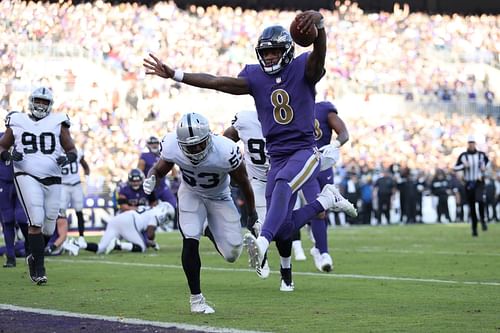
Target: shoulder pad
x=9 y=116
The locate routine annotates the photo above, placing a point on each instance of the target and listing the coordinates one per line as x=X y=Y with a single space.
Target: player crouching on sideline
x=130 y=226
x=206 y=161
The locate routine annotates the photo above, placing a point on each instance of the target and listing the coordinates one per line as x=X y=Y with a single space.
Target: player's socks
x=276 y=213
x=9 y=234
x=81 y=223
x=191 y=263
x=92 y=247
x=319 y=230
x=37 y=244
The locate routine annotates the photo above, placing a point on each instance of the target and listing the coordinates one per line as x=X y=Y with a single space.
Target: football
x=305 y=38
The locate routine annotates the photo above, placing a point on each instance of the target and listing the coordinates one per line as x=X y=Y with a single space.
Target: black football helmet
x=135 y=178
x=153 y=144
x=271 y=38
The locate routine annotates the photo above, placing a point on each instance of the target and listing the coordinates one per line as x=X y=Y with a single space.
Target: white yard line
x=123 y=320
x=323 y=275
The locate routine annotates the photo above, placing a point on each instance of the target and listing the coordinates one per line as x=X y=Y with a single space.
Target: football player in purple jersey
x=131 y=196
x=327 y=120
x=11 y=212
x=283 y=88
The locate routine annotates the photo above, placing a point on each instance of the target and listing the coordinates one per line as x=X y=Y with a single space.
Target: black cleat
x=11 y=262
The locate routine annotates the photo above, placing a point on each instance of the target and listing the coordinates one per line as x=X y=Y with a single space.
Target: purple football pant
x=285 y=177
x=319 y=226
x=11 y=212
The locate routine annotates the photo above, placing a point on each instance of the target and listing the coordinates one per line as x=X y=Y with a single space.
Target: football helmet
x=135 y=178
x=275 y=37
x=153 y=144
x=194 y=136
x=40 y=102
x=164 y=212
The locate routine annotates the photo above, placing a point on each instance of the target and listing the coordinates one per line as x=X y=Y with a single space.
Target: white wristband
x=320 y=24
x=178 y=75
x=336 y=143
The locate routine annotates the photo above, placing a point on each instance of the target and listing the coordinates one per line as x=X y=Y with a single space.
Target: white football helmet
x=164 y=212
x=40 y=102
x=194 y=136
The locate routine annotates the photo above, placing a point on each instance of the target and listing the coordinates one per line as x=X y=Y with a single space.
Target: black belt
x=45 y=181
x=260 y=180
x=78 y=182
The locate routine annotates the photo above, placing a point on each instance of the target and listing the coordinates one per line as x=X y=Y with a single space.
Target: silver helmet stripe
x=191 y=134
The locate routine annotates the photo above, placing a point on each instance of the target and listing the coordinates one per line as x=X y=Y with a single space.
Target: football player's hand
x=309 y=18
x=252 y=218
x=16 y=155
x=62 y=160
x=154 y=66
x=329 y=156
x=149 y=184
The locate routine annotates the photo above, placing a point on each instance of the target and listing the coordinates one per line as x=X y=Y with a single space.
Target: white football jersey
x=144 y=217
x=210 y=177
x=38 y=141
x=249 y=130
x=71 y=172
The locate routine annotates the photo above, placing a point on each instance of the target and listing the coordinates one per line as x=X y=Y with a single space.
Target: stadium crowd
x=433 y=58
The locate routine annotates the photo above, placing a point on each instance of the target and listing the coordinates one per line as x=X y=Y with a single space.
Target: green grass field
x=419 y=278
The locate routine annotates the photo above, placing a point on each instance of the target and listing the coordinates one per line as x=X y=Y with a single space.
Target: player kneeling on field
x=130 y=226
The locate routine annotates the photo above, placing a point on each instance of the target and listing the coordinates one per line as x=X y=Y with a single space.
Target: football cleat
x=317 y=258
x=255 y=253
x=286 y=279
x=330 y=197
x=39 y=280
x=264 y=270
x=71 y=247
x=111 y=245
x=199 y=305
x=10 y=262
x=298 y=251
x=81 y=242
x=326 y=262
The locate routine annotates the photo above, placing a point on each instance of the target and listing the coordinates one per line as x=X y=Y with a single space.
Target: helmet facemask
x=40 y=102
x=275 y=37
x=194 y=137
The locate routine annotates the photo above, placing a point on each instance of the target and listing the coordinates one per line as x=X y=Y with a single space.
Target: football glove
x=65 y=160
x=329 y=155
x=14 y=156
x=149 y=184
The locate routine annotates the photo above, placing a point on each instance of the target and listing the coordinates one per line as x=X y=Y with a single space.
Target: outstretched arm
x=316 y=60
x=338 y=125
x=231 y=85
x=240 y=177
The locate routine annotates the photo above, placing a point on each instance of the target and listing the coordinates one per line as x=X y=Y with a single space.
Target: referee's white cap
x=471 y=138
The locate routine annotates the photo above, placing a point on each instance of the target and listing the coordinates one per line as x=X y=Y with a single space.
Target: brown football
x=305 y=38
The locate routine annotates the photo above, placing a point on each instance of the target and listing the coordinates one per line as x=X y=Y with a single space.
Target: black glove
x=65 y=160
x=16 y=156
x=251 y=219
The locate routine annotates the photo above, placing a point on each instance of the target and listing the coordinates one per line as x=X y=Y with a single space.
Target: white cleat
x=81 y=242
x=263 y=271
x=111 y=245
x=71 y=247
x=255 y=253
x=326 y=262
x=330 y=197
x=286 y=287
x=317 y=258
x=199 y=305
x=298 y=251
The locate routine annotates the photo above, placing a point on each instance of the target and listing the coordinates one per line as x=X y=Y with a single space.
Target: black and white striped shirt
x=472 y=163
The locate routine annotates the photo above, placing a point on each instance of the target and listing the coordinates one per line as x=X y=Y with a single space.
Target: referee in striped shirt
x=473 y=163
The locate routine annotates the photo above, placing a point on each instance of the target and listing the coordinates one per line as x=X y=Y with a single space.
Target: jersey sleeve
x=11 y=118
x=230 y=154
x=168 y=146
